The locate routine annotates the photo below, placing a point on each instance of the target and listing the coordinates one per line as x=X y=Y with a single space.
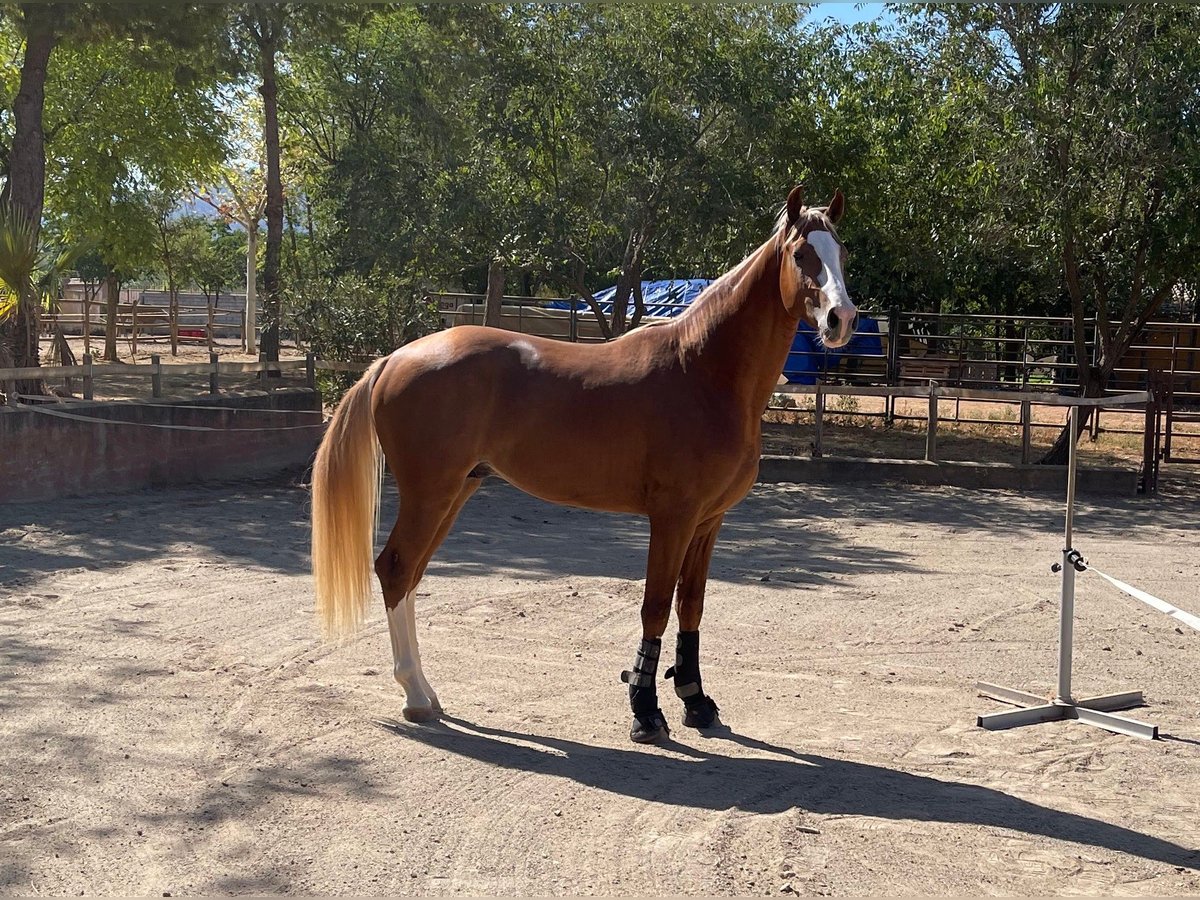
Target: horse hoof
x=419 y=713
x=702 y=714
x=650 y=729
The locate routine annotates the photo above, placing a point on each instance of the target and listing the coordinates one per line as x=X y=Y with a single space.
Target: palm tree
x=30 y=275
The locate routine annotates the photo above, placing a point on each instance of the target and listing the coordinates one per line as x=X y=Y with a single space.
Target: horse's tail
x=345 y=501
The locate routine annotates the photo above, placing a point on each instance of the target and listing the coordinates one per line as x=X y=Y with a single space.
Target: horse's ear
x=795 y=203
x=837 y=206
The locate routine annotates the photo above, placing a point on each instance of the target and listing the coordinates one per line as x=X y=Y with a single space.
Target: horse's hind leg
x=424 y=519
x=464 y=495
x=699 y=709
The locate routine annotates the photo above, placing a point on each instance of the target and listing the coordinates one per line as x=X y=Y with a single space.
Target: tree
x=25 y=184
x=1099 y=168
x=152 y=125
x=266 y=28
x=45 y=27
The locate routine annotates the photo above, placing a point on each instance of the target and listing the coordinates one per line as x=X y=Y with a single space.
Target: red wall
x=44 y=457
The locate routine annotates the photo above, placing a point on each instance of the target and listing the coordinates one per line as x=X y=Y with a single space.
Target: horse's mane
x=697 y=321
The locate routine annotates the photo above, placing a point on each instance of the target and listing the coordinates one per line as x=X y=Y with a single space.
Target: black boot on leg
x=649 y=724
x=699 y=710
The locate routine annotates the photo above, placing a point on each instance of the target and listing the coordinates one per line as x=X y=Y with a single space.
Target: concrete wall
x=44 y=457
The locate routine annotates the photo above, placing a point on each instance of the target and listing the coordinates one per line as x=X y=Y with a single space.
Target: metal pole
x=932 y=425
x=1026 y=432
x=1067 y=612
x=819 y=421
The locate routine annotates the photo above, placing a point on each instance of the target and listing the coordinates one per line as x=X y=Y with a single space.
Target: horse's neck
x=741 y=334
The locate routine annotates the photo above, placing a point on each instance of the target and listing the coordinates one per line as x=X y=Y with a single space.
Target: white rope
x=1149 y=599
x=96 y=420
x=67 y=401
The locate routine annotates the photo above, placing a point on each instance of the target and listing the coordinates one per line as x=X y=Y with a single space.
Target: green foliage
x=1010 y=158
x=208 y=254
x=359 y=317
x=30 y=265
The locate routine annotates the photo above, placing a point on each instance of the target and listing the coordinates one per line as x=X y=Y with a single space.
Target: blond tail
x=345 y=500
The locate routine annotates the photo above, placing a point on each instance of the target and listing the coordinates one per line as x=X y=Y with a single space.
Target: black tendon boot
x=649 y=724
x=699 y=710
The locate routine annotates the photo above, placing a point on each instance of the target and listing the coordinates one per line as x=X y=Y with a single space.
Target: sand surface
x=170 y=721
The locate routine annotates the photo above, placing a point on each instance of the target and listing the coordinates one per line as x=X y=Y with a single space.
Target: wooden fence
x=156 y=371
x=135 y=320
x=1155 y=403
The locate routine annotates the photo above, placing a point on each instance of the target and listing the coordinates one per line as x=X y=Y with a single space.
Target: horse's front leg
x=669 y=538
x=699 y=709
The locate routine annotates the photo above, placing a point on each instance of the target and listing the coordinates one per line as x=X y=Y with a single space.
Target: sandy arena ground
x=170 y=721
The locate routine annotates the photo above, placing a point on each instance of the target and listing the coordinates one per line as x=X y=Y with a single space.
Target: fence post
x=243 y=317
x=214 y=375
x=931 y=434
x=87 y=376
x=87 y=323
x=893 y=357
x=819 y=421
x=156 y=375
x=1169 y=410
x=310 y=370
x=209 y=329
x=11 y=388
x=573 y=326
x=173 y=314
x=1149 y=442
x=133 y=340
x=1026 y=432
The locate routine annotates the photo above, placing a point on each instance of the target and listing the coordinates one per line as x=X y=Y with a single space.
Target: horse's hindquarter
x=618 y=426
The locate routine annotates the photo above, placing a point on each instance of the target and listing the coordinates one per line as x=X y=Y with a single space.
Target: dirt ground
x=172 y=723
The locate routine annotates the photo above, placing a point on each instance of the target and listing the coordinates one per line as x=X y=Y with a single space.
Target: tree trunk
x=251 y=287
x=274 y=211
x=112 y=287
x=605 y=330
x=172 y=291
x=1059 y=453
x=493 y=305
x=27 y=173
x=639 y=301
x=631 y=274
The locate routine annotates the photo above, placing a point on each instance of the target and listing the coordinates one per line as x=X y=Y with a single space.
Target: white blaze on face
x=837 y=313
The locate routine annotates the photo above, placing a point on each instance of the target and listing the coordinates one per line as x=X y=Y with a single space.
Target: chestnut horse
x=669 y=419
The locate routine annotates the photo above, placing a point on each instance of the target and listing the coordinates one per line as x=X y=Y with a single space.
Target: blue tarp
x=806 y=360
x=664 y=299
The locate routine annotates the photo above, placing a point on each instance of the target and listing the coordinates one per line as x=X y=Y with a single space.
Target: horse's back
x=541 y=412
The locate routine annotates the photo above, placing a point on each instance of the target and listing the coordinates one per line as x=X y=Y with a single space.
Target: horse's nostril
x=854 y=323
x=833 y=320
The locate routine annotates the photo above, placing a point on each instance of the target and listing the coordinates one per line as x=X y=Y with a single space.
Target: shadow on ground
x=780 y=529
x=707 y=779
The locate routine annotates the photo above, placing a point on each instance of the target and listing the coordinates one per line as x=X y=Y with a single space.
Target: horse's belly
x=571 y=472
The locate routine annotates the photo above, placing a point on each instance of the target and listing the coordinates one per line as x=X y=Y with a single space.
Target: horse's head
x=810 y=271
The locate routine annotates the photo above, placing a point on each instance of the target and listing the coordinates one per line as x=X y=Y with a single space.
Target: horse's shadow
x=706 y=779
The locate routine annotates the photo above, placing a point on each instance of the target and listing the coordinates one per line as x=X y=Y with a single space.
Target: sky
x=847 y=12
